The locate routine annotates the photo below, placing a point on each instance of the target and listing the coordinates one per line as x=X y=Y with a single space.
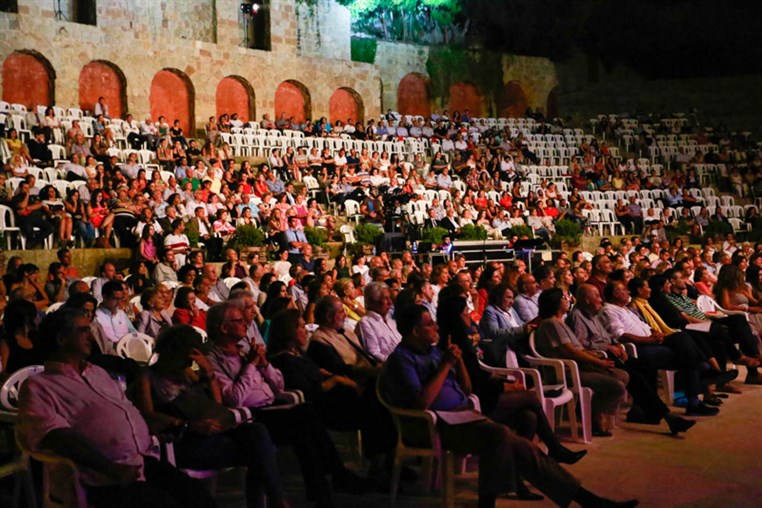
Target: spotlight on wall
x=250 y=9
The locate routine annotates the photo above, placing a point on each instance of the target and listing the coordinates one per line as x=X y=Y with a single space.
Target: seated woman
x=17 y=348
x=501 y=400
x=186 y=312
x=177 y=401
x=154 y=318
x=555 y=339
x=340 y=401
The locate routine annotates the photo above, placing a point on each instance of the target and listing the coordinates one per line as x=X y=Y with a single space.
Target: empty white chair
x=137 y=346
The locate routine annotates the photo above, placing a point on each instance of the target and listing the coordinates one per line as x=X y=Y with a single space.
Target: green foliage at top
x=471 y=232
x=434 y=235
x=368 y=234
x=364 y=49
x=316 y=236
x=568 y=231
x=408 y=20
x=246 y=236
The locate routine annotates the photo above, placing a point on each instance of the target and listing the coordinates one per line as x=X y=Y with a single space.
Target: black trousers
x=301 y=427
x=165 y=487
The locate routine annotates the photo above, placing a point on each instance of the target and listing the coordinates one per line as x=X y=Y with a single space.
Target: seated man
x=376 y=329
x=112 y=319
x=675 y=351
x=76 y=410
x=737 y=325
x=527 y=297
x=251 y=381
x=338 y=350
x=585 y=321
x=418 y=376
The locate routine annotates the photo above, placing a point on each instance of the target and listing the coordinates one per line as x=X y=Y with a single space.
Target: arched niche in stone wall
x=28 y=79
x=551 y=110
x=463 y=96
x=236 y=95
x=512 y=101
x=173 y=96
x=346 y=104
x=413 y=97
x=293 y=99
x=101 y=78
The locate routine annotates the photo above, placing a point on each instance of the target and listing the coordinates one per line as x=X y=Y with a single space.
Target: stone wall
x=735 y=101
x=537 y=76
x=323 y=30
x=395 y=60
x=140 y=38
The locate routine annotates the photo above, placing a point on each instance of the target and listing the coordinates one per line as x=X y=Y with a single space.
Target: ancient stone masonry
x=140 y=39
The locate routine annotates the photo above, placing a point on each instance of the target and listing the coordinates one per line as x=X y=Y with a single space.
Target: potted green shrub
x=247 y=238
x=434 y=235
x=367 y=236
x=521 y=231
x=316 y=236
x=472 y=232
x=568 y=232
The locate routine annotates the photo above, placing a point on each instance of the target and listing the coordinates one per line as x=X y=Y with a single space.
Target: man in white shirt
x=376 y=330
x=113 y=320
x=131 y=167
x=676 y=351
x=177 y=241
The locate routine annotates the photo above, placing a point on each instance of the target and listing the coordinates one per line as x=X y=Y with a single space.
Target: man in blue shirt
x=417 y=375
x=295 y=240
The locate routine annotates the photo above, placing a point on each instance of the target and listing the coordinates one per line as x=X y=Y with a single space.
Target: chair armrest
x=630 y=349
x=476 y=404
x=290 y=397
x=573 y=370
x=557 y=365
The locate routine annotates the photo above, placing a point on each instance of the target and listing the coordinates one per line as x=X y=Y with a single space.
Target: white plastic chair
x=53 y=307
x=231 y=281
x=582 y=394
x=136 y=346
x=9 y=392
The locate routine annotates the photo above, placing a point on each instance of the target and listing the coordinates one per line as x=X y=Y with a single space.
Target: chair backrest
x=231 y=281
x=137 y=346
x=9 y=392
x=706 y=303
x=54 y=307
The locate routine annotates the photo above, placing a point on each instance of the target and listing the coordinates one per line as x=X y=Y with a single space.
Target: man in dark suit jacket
x=199 y=229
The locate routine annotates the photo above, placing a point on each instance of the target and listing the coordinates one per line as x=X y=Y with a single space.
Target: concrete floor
x=718 y=463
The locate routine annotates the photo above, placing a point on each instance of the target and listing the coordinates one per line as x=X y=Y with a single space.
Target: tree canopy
x=658 y=38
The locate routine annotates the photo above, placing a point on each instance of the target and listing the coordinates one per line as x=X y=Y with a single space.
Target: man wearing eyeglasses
x=113 y=320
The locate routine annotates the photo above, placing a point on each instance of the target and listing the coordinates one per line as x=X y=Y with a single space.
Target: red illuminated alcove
x=512 y=101
x=235 y=95
x=293 y=99
x=465 y=96
x=413 y=95
x=28 y=79
x=103 y=79
x=172 y=96
x=346 y=104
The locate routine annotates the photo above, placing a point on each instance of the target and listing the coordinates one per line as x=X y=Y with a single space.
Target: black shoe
x=701 y=409
x=601 y=433
x=755 y=379
x=711 y=400
x=524 y=494
x=714 y=377
x=567 y=456
x=678 y=424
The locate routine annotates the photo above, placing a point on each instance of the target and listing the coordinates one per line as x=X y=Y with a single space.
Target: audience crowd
x=232 y=343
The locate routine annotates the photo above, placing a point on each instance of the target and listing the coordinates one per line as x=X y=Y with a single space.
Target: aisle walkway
x=718 y=463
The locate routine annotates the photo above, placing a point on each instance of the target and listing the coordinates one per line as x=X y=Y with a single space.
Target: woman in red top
x=186 y=312
x=260 y=186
